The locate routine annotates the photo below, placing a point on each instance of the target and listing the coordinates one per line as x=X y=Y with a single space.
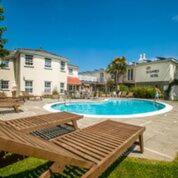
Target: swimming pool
x=113 y=108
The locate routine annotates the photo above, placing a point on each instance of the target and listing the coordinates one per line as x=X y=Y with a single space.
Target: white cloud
x=175 y=18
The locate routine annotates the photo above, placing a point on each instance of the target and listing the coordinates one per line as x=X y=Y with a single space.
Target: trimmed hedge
x=144 y=91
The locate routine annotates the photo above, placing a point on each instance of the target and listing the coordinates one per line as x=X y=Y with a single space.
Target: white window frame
x=4 y=84
x=63 y=64
x=48 y=62
x=71 y=71
x=47 y=86
x=29 y=87
x=62 y=87
x=29 y=60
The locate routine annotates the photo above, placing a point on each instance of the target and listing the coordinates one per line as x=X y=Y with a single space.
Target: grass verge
x=122 y=168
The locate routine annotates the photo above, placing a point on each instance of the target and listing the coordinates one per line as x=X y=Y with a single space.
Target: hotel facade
x=36 y=71
x=161 y=71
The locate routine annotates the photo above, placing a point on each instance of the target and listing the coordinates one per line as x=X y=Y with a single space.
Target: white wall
x=145 y=73
x=176 y=74
x=8 y=74
x=88 y=78
x=174 y=93
x=75 y=71
x=39 y=74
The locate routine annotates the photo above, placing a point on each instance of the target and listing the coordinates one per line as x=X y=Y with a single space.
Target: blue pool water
x=111 y=107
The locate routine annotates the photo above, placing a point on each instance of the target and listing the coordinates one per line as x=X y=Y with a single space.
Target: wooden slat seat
x=13 y=105
x=100 y=142
x=28 y=145
x=30 y=124
x=94 y=148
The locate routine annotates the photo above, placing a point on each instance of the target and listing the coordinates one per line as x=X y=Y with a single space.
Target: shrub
x=143 y=92
x=123 y=87
x=55 y=92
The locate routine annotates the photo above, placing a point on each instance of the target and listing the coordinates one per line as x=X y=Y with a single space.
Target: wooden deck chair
x=123 y=94
x=94 y=148
x=7 y=104
x=130 y=95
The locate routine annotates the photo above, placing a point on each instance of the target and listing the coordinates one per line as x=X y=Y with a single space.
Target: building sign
x=152 y=72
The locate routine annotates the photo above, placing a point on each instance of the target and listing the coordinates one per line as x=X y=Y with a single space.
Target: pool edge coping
x=167 y=108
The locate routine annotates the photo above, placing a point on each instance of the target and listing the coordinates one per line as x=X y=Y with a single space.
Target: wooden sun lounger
x=94 y=148
x=124 y=94
x=7 y=104
x=130 y=95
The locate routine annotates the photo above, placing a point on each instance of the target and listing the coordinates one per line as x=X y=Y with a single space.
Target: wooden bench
x=94 y=148
x=8 y=104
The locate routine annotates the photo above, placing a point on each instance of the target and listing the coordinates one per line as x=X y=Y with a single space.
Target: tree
x=117 y=68
x=3 y=52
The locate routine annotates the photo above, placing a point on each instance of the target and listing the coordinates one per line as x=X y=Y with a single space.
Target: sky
x=93 y=32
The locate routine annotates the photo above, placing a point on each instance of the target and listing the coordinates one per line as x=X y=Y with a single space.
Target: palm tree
x=117 y=68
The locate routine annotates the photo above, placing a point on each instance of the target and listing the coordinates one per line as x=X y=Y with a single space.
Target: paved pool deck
x=160 y=137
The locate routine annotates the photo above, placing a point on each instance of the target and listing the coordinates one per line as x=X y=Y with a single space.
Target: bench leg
x=75 y=124
x=55 y=168
x=141 y=143
x=46 y=174
x=16 y=108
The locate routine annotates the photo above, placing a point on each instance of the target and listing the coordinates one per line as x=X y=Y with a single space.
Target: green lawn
x=122 y=168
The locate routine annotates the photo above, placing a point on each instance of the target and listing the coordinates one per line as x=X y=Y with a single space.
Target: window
x=29 y=86
x=102 y=77
x=62 y=87
x=5 y=63
x=62 y=66
x=70 y=71
x=130 y=74
x=4 y=84
x=47 y=87
x=29 y=60
x=70 y=88
x=47 y=63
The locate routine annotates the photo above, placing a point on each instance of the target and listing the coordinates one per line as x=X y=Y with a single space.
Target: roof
x=72 y=65
x=92 y=72
x=73 y=81
x=158 y=60
x=40 y=52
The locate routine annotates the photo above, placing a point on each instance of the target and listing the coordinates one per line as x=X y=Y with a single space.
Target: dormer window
x=28 y=60
x=47 y=63
x=63 y=66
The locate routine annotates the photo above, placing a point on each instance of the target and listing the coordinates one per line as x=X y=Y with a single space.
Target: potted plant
x=55 y=94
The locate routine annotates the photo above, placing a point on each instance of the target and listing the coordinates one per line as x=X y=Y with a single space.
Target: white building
x=162 y=72
x=97 y=76
x=73 y=81
x=36 y=71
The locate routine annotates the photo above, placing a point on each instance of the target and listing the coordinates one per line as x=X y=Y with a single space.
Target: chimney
x=141 y=58
x=144 y=56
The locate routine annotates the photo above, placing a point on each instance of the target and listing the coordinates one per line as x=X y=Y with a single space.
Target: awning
x=73 y=81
